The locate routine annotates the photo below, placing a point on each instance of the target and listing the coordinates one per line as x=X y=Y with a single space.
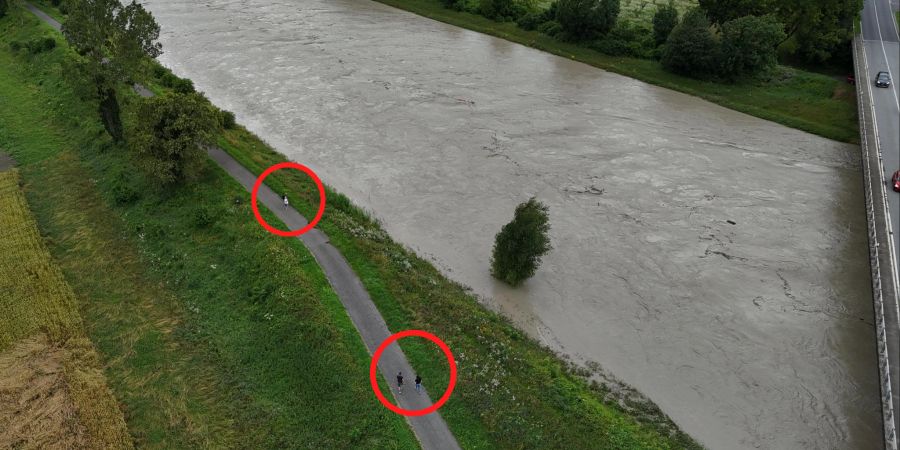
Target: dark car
x=895 y=181
x=883 y=79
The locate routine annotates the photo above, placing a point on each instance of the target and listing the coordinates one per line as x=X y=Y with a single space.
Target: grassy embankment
x=52 y=388
x=511 y=393
x=213 y=332
x=808 y=101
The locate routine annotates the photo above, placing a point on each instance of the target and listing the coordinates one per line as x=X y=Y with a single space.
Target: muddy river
x=715 y=261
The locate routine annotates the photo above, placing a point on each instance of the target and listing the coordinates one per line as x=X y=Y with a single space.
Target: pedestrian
x=400 y=382
x=418 y=384
x=285 y=201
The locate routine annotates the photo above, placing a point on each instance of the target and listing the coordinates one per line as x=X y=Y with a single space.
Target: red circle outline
x=288 y=165
x=373 y=368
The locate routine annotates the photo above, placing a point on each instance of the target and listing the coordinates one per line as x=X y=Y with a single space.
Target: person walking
x=418 y=384
x=400 y=382
x=285 y=201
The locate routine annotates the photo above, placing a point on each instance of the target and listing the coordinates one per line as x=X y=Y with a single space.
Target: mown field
x=246 y=341
x=52 y=389
x=812 y=102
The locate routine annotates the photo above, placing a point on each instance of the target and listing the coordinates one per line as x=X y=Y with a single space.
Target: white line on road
x=887 y=62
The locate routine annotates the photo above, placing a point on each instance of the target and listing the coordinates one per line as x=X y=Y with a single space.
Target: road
x=882 y=45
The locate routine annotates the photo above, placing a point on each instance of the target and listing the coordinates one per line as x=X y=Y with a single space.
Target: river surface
x=753 y=333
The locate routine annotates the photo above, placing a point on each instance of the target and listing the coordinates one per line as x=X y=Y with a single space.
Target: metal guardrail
x=875 y=195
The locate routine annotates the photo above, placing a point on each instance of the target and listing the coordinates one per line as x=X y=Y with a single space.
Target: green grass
x=511 y=392
x=808 y=101
x=213 y=334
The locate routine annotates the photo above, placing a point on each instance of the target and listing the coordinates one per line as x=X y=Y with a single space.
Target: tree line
x=722 y=39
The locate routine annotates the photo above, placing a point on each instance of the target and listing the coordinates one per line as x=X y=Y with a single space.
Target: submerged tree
x=520 y=244
x=171 y=134
x=110 y=40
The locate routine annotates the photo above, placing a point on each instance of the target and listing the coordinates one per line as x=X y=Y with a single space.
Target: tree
x=820 y=27
x=110 y=40
x=171 y=135
x=750 y=45
x=721 y=11
x=583 y=20
x=501 y=10
x=664 y=21
x=691 y=48
x=520 y=244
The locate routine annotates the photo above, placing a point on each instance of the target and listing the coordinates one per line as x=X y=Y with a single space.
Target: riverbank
x=203 y=343
x=502 y=397
x=800 y=99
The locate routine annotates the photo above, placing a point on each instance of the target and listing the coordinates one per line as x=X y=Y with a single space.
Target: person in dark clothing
x=400 y=382
x=418 y=384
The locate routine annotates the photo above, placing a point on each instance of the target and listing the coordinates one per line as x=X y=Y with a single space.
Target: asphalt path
x=431 y=430
x=882 y=47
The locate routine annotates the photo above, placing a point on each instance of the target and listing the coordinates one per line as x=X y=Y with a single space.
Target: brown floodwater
x=715 y=261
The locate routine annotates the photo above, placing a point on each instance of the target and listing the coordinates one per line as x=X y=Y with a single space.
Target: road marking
x=887 y=62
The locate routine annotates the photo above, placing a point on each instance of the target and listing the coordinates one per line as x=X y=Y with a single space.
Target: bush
x=586 y=19
x=159 y=71
x=55 y=2
x=4 y=6
x=664 y=21
x=626 y=39
x=205 y=215
x=501 y=10
x=520 y=244
x=534 y=19
x=183 y=86
x=226 y=119
x=530 y=21
x=692 y=49
x=41 y=45
x=551 y=28
x=123 y=190
x=750 y=45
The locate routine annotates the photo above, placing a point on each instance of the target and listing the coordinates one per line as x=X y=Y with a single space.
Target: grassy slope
x=213 y=334
x=808 y=101
x=537 y=402
x=511 y=393
x=34 y=298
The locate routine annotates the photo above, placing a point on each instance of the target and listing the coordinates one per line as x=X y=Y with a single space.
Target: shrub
x=551 y=28
x=3 y=7
x=41 y=45
x=205 y=215
x=534 y=19
x=168 y=79
x=160 y=71
x=520 y=244
x=664 y=21
x=692 y=49
x=123 y=190
x=626 y=39
x=55 y=2
x=586 y=19
x=750 y=45
x=226 y=120
x=501 y=10
x=183 y=86
x=15 y=46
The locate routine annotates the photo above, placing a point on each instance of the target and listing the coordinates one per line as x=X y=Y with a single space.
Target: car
x=895 y=181
x=883 y=79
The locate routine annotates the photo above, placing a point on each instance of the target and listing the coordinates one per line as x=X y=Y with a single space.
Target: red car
x=895 y=181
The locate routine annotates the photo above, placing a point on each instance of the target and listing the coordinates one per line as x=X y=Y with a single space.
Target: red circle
x=412 y=412
x=288 y=165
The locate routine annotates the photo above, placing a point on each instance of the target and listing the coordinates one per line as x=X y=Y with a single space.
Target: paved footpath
x=430 y=430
